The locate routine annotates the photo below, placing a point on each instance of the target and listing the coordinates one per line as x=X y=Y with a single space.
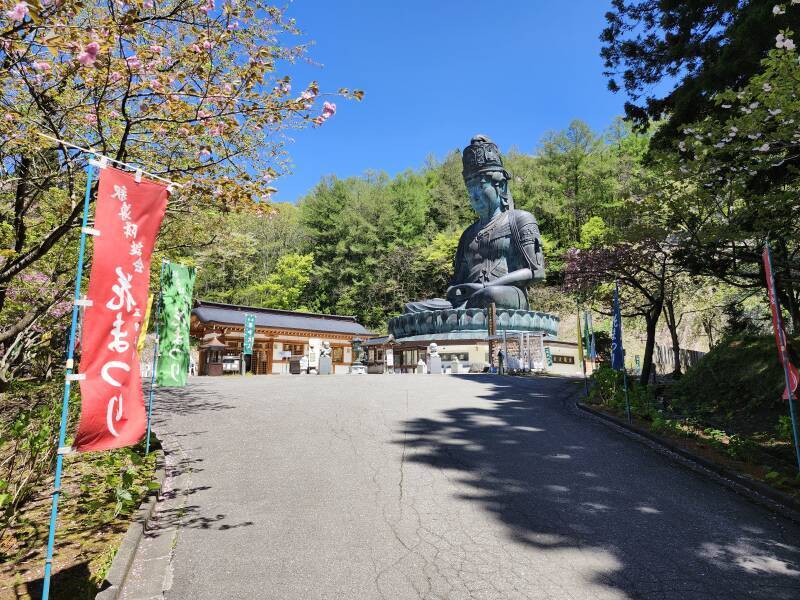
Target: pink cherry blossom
x=91 y=119
x=156 y=49
x=228 y=88
x=148 y=4
x=208 y=45
x=328 y=110
x=133 y=62
x=89 y=54
x=194 y=48
x=183 y=131
x=156 y=85
x=92 y=48
x=115 y=77
x=86 y=59
x=19 y=11
x=233 y=26
x=207 y=7
x=42 y=66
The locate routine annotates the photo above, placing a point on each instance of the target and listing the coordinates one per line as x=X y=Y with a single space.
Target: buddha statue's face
x=484 y=193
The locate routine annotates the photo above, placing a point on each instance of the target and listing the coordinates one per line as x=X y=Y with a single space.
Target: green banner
x=549 y=357
x=177 y=282
x=249 y=333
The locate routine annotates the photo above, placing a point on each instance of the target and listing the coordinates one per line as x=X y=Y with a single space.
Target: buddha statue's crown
x=482 y=155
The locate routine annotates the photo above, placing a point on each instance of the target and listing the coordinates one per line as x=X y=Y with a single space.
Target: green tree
x=731 y=182
x=706 y=45
x=285 y=287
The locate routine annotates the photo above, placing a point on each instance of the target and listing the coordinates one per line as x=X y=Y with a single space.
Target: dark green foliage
x=737 y=386
x=707 y=45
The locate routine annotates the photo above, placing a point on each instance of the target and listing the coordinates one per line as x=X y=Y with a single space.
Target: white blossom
x=763 y=148
x=767 y=87
x=782 y=41
x=775 y=111
x=778 y=10
x=726 y=106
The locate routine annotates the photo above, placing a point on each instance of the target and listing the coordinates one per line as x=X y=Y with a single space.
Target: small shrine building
x=280 y=335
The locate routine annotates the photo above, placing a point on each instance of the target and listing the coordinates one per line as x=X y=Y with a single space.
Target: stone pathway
x=409 y=486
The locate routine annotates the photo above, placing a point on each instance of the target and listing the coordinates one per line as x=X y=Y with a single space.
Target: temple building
x=281 y=336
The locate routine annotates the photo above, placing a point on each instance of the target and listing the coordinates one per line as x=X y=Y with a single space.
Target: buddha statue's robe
x=486 y=252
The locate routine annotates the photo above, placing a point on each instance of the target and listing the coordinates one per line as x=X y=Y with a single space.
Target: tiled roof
x=217 y=312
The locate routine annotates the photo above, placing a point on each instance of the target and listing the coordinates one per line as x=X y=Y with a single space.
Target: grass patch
x=727 y=409
x=100 y=491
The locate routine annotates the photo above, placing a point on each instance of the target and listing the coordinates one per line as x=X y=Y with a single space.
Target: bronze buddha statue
x=500 y=253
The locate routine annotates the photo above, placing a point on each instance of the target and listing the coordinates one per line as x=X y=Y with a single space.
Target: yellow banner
x=145 y=321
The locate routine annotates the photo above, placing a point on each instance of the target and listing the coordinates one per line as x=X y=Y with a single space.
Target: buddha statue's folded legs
x=502 y=296
x=426 y=305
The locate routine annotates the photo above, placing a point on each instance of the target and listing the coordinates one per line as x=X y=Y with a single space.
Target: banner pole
x=625 y=391
x=62 y=433
x=784 y=357
x=155 y=361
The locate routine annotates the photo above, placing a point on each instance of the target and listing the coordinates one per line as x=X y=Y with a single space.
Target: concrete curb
x=123 y=559
x=755 y=491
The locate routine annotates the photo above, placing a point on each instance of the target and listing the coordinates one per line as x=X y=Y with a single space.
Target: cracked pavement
x=436 y=487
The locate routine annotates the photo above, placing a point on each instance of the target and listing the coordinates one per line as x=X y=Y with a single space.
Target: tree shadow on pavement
x=559 y=481
x=188 y=400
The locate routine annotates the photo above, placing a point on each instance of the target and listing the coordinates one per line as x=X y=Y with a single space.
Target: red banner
x=127 y=215
x=777 y=327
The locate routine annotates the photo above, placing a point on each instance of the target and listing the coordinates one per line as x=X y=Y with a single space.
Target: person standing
x=500 y=360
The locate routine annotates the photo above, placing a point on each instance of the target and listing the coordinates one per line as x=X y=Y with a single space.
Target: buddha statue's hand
x=457 y=294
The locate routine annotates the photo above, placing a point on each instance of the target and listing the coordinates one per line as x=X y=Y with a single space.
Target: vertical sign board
x=549 y=357
x=128 y=215
x=249 y=333
x=176 y=299
x=491 y=327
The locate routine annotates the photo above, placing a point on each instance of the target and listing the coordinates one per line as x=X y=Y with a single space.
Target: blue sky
x=437 y=72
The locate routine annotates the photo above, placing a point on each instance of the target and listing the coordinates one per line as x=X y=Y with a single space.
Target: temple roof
x=232 y=314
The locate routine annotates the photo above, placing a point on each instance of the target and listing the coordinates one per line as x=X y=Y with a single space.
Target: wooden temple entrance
x=280 y=337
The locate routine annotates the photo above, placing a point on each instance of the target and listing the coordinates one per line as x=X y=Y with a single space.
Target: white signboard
x=537 y=352
x=314 y=347
x=389 y=357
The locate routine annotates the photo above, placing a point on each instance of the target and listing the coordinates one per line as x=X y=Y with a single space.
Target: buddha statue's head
x=486 y=178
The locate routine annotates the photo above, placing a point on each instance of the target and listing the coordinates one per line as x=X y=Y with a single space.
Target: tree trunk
x=651 y=319
x=784 y=284
x=708 y=327
x=672 y=325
